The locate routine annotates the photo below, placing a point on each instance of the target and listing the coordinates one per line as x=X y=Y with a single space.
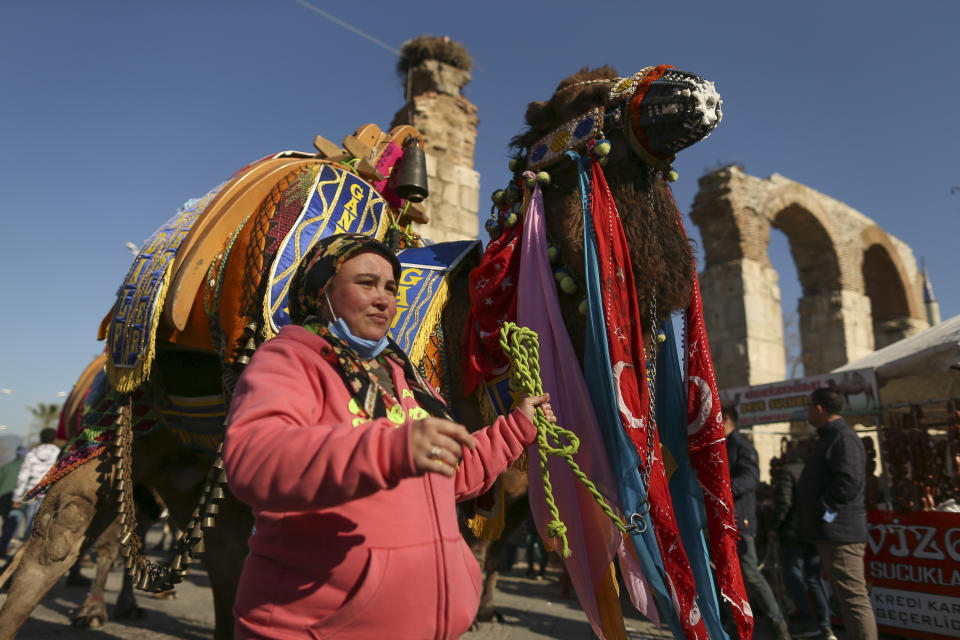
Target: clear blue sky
x=113 y=113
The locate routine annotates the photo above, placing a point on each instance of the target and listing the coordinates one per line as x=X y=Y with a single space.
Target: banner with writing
x=912 y=562
x=787 y=400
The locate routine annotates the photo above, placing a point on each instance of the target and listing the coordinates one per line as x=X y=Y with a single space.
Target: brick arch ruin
x=861 y=288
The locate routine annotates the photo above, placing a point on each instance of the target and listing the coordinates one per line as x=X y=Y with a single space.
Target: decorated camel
x=588 y=248
x=210 y=286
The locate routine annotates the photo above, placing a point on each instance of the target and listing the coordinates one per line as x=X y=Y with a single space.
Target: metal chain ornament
x=146 y=574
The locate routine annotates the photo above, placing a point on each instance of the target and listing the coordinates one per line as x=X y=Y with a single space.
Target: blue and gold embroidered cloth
x=132 y=331
x=422 y=291
x=340 y=202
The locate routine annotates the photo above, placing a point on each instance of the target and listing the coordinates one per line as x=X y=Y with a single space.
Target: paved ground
x=532 y=610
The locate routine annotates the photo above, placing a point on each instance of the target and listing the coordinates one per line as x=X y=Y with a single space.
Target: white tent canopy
x=922 y=368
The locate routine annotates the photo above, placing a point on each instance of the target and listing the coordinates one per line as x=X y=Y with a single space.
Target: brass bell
x=410 y=181
x=144 y=582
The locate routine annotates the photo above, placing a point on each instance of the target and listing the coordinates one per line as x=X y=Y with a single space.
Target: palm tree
x=44 y=415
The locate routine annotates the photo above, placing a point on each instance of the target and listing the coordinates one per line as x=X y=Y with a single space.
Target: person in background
x=353 y=465
x=744 y=478
x=799 y=560
x=36 y=463
x=831 y=511
x=8 y=484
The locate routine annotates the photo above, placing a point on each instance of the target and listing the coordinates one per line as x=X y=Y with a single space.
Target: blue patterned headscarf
x=323 y=262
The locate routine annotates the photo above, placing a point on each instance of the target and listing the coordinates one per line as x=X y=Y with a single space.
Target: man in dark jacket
x=744 y=478
x=830 y=508
x=799 y=560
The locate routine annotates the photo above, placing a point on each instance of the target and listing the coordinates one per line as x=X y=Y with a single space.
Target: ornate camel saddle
x=245 y=238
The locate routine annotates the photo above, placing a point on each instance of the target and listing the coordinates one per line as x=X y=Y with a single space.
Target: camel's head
x=635 y=126
x=671 y=112
x=658 y=111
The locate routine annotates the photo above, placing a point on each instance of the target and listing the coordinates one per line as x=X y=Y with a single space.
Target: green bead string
x=522 y=347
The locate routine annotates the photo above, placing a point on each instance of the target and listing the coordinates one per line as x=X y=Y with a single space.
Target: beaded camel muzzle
x=672 y=112
x=661 y=111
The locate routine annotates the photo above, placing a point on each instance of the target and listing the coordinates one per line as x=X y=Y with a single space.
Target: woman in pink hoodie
x=353 y=466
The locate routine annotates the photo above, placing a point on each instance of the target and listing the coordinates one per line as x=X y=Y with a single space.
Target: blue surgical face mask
x=367 y=349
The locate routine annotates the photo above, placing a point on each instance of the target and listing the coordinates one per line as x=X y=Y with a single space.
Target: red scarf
x=493 y=301
x=625 y=343
x=708 y=457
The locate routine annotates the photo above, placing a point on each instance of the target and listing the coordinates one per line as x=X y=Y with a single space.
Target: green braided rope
x=522 y=347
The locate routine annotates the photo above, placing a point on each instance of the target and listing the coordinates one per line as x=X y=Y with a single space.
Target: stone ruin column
x=741 y=291
x=836 y=327
x=434 y=71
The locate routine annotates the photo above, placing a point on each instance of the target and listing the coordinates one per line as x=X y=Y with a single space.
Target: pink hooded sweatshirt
x=348 y=541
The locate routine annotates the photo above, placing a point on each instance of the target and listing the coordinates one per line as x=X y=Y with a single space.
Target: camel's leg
x=93 y=612
x=127 y=607
x=226 y=549
x=493 y=552
x=75 y=511
x=179 y=482
x=491 y=573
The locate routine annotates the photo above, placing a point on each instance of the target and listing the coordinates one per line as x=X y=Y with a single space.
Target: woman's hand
x=529 y=403
x=436 y=445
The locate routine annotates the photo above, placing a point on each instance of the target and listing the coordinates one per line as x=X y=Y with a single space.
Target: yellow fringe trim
x=126 y=379
x=490 y=527
x=430 y=319
x=486 y=407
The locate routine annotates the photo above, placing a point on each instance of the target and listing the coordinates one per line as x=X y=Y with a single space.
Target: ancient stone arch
x=861 y=288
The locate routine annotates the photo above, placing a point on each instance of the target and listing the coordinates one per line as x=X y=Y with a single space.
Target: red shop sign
x=912 y=562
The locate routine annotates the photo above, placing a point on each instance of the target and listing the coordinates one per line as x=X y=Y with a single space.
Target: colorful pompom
x=497 y=197
x=582 y=307
x=661 y=336
x=602 y=148
x=561 y=273
x=543 y=177
x=516 y=164
x=493 y=228
x=512 y=194
x=530 y=182
x=553 y=254
x=511 y=219
x=672 y=176
x=568 y=285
